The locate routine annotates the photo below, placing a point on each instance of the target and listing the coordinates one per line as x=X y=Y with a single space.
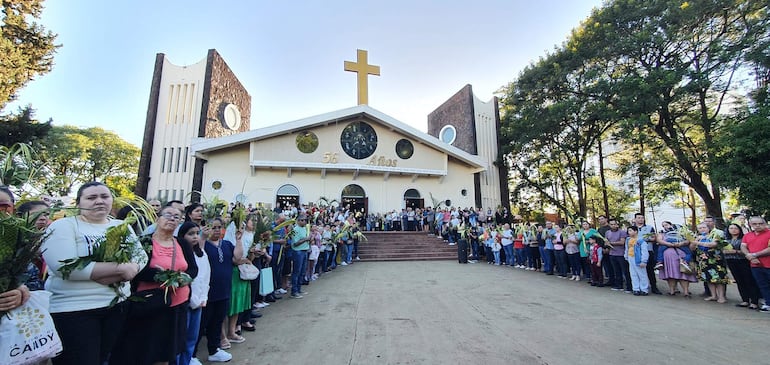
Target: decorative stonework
x=225 y=88
x=458 y=112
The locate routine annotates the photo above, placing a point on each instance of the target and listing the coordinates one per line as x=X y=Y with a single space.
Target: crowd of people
x=629 y=259
x=212 y=299
x=97 y=308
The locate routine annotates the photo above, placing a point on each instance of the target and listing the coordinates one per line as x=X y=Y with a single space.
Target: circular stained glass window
x=307 y=142
x=404 y=149
x=358 y=140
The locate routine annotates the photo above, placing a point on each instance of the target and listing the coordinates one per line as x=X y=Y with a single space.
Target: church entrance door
x=412 y=199
x=355 y=196
x=287 y=195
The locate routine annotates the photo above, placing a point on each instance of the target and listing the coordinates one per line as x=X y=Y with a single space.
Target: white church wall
x=283 y=148
x=230 y=166
x=178 y=118
x=486 y=137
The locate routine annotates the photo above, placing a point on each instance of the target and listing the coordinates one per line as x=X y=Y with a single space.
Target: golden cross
x=363 y=70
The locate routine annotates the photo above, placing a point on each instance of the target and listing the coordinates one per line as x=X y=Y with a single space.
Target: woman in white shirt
x=81 y=305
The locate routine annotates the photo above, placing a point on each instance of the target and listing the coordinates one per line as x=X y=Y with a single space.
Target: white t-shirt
x=73 y=237
x=199 y=288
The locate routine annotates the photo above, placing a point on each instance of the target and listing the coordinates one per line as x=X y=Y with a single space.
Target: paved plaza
x=441 y=312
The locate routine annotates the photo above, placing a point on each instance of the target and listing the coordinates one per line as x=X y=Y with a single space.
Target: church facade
x=358 y=156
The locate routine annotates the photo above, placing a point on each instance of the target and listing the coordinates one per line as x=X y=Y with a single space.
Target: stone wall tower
x=202 y=100
x=466 y=122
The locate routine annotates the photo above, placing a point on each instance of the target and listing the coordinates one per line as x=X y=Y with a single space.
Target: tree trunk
x=603 y=181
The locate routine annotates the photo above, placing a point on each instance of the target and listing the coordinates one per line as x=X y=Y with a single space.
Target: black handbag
x=148 y=302
x=151 y=301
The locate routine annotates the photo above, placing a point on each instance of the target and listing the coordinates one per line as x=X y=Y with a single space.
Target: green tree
x=70 y=156
x=744 y=163
x=21 y=127
x=678 y=65
x=554 y=116
x=26 y=48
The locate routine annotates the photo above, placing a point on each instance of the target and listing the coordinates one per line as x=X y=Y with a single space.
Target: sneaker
x=303 y=293
x=220 y=356
x=296 y=296
x=281 y=291
x=765 y=308
x=358 y=258
x=195 y=361
x=616 y=289
x=260 y=305
x=627 y=291
x=658 y=266
x=344 y=263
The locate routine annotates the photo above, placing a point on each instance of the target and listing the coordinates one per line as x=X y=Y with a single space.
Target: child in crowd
x=595 y=256
x=636 y=254
x=496 y=246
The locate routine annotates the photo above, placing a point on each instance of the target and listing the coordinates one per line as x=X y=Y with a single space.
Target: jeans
x=561 y=262
x=574 y=263
x=474 y=249
x=212 y=318
x=534 y=258
x=277 y=264
x=497 y=257
x=639 y=279
x=586 y=267
x=747 y=286
x=349 y=256
x=298 y=271
x=521 y=256
x=547 y=260
x=651 y=278
x=193 y=328
x=762 y=277
x=620 y=272
x=508 y=254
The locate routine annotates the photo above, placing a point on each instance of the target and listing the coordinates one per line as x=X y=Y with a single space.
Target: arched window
x=412 y=194
x=287 y=194
x=354 y=197
x=353 y=191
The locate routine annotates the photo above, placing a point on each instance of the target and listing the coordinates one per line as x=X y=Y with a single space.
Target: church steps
x=404 y=246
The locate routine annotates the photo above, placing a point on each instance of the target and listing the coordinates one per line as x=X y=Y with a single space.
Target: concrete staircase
x=404 y=246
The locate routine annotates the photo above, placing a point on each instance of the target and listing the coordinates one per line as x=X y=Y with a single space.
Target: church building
x=197 y=139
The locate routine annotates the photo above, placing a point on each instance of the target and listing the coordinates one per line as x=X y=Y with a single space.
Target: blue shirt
x=221 y=261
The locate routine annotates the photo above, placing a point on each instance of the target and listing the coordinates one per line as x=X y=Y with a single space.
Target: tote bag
x=27 y=333
x=266 y=281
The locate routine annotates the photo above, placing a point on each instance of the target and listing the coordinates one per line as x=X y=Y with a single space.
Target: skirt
x=240 y=294
x=671 y=270
x=155 y=338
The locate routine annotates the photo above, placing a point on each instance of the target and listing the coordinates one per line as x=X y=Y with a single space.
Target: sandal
x=753 y=306
x=688 y=296
x=236 y=339
x=225 y=345
x=742 y=305
x=710 y=299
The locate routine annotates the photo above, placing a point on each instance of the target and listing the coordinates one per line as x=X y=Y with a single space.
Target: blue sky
x=289 y=55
